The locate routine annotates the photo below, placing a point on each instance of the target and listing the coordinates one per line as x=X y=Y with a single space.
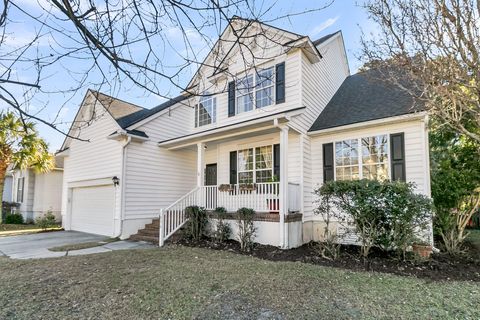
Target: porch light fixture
x=116 y=181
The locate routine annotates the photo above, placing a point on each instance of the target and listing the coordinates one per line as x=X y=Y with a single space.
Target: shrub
x=46 y=221
x=246 y=228
x=197 y=222
x=385 y=214
x=220 y=210
x=329 y=245
x=222 y=231
x=14 y=218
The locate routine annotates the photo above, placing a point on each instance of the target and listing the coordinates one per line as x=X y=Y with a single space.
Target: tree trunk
x=3 y=171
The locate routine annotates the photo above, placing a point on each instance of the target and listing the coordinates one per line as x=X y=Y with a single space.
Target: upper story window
x=365 y=158
x=206 y=110
x=264 y=88
x=255 y=90
x=244 y=94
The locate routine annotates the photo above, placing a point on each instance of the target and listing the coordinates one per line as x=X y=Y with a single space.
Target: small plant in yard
x=46 y=221
x=389 y=215
x=329 y=245
x=246 y=228
x=14 y=218
x=197 y=222
x=220 y=210
x=222 y=231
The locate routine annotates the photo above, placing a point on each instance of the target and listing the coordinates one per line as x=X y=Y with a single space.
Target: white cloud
x=324 y=25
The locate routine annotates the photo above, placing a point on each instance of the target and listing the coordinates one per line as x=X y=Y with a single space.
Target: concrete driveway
x=33 y=246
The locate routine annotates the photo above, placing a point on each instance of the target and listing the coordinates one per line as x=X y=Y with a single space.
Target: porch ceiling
x=229 y=132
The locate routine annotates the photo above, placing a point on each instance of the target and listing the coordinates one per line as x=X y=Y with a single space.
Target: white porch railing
x=262 y=197
x=173 y=217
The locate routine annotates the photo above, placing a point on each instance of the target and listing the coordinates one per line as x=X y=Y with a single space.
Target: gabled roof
x=116 y=107
x=325 y=38
x=364 y=97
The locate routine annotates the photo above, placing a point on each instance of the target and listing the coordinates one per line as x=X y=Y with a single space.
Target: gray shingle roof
x=325 y=38
x=133 y=118
x=364 y=97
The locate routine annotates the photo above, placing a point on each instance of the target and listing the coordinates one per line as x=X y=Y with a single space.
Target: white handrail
x=173 y=217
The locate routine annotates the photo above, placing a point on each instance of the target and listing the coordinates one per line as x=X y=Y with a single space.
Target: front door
x=211 y=180
x=211 y=174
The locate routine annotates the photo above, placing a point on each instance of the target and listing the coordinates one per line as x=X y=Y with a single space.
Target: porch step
x=150 y=233
x=151 y=239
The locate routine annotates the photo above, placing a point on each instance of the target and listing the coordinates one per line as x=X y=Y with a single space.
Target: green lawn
x=185 y=283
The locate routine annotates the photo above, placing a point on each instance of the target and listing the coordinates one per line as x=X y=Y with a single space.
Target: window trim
x=254 y=88
x=22 y=179
x=196 y=111
x=254 y=170
x=360 y=154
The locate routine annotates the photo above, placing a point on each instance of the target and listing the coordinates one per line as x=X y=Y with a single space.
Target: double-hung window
x=244 y=94
x=20 y=187
x=364 y=158
x=206 y=110
x=255 y=165
x=255 y=90
x=264 y=88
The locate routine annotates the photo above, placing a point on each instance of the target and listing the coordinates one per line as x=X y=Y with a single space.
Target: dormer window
x=206 y=110
x=257 y=87
x=262 y=88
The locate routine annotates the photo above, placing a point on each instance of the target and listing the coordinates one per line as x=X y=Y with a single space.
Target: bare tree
x=437 y=44
x=123 y=43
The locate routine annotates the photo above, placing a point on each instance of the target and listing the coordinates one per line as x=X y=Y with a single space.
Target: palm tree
x=21 y=147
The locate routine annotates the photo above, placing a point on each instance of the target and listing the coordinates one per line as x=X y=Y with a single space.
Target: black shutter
x=328 y=162
x=231 y=98
x=276 y=161
x=233 y=167
x=397 y=156
x=280 y=82
x=196 y=115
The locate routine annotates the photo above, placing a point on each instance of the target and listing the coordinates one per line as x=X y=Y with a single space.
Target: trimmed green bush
x=221 y=210
x=197 y=222
x=14 y=218
x=246 y=228
x=386 y=214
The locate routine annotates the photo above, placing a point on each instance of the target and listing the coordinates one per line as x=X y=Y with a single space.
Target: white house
x=36 y=193
x=285 y=116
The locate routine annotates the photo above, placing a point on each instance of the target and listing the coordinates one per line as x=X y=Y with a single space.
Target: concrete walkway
x=34 y=246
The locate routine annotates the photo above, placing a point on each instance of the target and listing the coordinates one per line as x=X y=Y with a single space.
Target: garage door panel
x=93 y=209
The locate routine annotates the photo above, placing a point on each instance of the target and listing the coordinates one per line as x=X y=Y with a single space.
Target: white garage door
x=92 y=209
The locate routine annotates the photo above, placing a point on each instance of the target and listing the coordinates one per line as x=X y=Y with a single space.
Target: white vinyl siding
x=95 y=158
x=416 y=157
x=156 y=177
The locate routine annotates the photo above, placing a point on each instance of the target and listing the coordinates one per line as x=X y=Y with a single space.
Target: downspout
x=122 y=181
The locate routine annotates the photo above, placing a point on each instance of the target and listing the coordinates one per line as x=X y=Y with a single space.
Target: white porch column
x=283 y=185
x=200 y=164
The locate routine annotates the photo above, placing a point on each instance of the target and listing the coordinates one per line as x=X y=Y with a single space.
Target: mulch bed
x=441 y=266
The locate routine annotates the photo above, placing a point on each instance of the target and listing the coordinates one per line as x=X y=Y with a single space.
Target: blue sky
x=342 y=15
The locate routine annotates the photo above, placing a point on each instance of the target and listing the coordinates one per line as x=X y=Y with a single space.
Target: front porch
x=258 y=168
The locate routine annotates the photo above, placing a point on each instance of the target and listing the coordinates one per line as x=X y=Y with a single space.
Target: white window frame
x=20 y=192
x=202 y=99
x=360 y=154
x=253 y=90
x=254 y=170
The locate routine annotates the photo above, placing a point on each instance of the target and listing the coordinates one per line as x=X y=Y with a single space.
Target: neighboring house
x=304 y=120
x=7 y=195
x=38 y=193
